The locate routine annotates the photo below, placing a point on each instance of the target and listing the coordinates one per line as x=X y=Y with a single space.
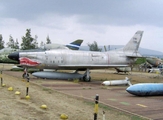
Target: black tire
x=87 y=80
x=25 y=76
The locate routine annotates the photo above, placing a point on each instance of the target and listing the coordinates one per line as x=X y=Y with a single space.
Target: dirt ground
x=17 y=107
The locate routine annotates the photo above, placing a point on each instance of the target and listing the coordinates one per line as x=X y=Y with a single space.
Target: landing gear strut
x=87 y=77
x=25 y=74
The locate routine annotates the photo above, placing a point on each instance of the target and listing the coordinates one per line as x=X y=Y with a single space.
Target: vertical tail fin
x=75 y=45
x=133 y=44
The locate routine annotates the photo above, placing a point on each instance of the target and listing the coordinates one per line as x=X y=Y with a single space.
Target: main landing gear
x=87 y=77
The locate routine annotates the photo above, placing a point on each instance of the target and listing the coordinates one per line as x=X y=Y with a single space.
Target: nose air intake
x=14 y=56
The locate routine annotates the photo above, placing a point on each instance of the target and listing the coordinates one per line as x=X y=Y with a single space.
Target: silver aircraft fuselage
x=69 y=59
x=81 y=60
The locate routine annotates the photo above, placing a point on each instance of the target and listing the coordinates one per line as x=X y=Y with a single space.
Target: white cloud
x=65 y=29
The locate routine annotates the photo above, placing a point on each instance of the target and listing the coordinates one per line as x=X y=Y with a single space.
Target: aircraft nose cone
x=14 y=56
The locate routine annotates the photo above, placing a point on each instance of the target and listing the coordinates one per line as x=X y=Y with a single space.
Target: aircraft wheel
x=25 y=76
x=87 y=80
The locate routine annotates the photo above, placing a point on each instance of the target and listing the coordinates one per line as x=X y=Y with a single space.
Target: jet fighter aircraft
x=73 y=45
x=155 y=62
x=81 y=60
x=6 y=51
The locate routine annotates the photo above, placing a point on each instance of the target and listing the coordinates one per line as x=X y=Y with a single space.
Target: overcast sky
x=108 y=22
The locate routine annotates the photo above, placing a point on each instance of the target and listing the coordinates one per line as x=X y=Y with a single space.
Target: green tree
x=1 y=42
x=42 y=44
x=94 y=47
x=11 y=42
x=16 y=45
x=140 y=60
x=48 y=41
x=28 y=42
x=35 y=41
